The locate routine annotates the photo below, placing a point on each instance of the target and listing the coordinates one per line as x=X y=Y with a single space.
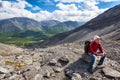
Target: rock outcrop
x=109 y=72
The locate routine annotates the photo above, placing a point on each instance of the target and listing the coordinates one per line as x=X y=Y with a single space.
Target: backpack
x=86 y=46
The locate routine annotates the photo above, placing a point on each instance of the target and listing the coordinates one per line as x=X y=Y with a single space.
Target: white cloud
x=75 y=15
x=67 y=12
x=42 y=15
x=77 y=1
x=90 y=5
x=36 y=8
x=108 y=0
x=5 y=4
x=9 y=9
x=88 y=11
x=21 y=4
x=67 y=7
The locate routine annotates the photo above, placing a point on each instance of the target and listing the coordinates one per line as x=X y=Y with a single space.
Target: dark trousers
x=92 y=60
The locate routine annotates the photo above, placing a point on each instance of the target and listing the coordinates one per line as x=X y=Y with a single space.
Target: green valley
x=29 y=38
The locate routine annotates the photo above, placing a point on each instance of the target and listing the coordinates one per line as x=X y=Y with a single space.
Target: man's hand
x=100 y=54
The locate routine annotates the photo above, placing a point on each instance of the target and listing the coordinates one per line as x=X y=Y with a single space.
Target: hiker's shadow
x=78 y=66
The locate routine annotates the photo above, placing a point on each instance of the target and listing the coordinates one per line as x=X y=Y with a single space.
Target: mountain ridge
x=24 y=23
x=106 y=25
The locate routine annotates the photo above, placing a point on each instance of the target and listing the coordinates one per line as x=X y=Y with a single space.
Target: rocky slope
x=106 y=25
x=62 y=62
x=6 y=50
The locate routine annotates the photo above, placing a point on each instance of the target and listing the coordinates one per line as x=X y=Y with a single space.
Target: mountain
x=69 y=24
x=106 y=25
x=22 y=30
x=16 y=24
x=63 y=27
x=49 y=23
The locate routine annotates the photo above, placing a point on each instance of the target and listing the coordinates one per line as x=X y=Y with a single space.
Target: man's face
x=97 y=41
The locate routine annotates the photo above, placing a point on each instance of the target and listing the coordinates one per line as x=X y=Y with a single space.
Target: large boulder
x=63 y=60
x=86 y=58
x=109 y=72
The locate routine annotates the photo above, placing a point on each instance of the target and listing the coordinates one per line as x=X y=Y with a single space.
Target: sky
x=61 y=10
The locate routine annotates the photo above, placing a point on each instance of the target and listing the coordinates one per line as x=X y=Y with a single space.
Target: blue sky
x=62 y=10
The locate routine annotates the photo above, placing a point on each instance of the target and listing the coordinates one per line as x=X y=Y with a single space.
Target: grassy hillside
x=29 y=38
x=56 y=30
x=24 y=38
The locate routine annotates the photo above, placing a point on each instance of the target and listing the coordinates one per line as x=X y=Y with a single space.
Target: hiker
x=94 y=46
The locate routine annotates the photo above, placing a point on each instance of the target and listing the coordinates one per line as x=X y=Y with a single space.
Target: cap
x=96 y=37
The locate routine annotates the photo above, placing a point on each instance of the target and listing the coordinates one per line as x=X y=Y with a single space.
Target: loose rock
x=76 y=76
x=3 y=70
x=49 y=74
x=28 y=61
x=38 y=77
x=63 y=60
x=58 y=69
x=53 y=62
x=69 y=72
x=109 y=72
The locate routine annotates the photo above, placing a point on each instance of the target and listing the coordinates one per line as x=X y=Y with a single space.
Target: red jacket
x=93 y=47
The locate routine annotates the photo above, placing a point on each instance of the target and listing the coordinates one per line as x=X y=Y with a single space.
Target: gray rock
x=69 y=72
x=13 y=77
x=2 y=76
x=86 y=58
x=109 y=72
x=19 y=77
x=3 y=70
x=18 y=56
x=36 y=65
x=38 y=77
x=64 y=60
x=57 y=69
x=28 y=60
x=49 y=74
x=85 y=74
x=7 y=75
x=50 y=51
x=37 y=57
x=76 y=76
x=58 y=65
x=53 y=62
x=31 y=73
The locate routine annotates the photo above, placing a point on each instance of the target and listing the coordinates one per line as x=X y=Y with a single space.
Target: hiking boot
x=90 y=70
x=100 y=66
